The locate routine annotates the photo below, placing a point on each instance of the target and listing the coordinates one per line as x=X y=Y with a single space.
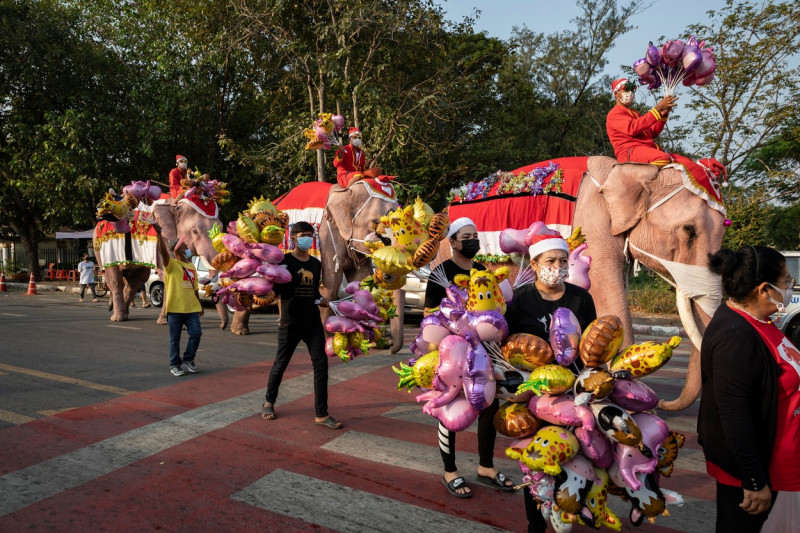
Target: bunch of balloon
x=452 y=365
x=248 y=266
x=415 y=235
x=586 y=434
x=357 y=323
x=690 y=63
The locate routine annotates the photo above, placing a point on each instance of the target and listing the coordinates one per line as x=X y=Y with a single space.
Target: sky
x=498 y=18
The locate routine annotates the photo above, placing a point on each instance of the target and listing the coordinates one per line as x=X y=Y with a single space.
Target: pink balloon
x=707 y=65
x=479 y=383
x=700 y=82
x=595 y=446
x=320 y=131
x=654 y=430
x=329 y=347
x=338 y=122
x=689 y=80
x=691 y=57
x=633 y=395
x=579 y=267
x=672 y=50
x=572 y=488
x=490 y=326
x=242 y=269
x=561 y=410
x=513 y=241
x=631 y=462
x=341 y=324
x=507 y=289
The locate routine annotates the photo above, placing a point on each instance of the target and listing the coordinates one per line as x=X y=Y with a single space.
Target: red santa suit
x=632 y=134
x=175 y=177
x=349 y=162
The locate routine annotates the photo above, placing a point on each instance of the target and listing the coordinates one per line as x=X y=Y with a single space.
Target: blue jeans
x=176 y=321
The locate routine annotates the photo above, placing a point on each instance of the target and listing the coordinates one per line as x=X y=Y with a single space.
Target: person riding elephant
x=176 y=175
x=350 y=215
x=350 y=160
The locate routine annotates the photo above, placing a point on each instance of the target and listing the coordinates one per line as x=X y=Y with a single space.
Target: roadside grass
x=648 y=293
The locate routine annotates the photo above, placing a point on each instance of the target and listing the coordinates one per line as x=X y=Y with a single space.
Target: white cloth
x=86 y=270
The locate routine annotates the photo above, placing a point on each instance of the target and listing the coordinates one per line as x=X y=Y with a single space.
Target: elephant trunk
x=693 y=384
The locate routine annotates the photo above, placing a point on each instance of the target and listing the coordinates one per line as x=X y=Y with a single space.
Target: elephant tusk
x=687 y=318
x=207 y=264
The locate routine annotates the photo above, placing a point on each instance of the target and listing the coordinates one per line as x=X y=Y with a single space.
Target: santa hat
x=546 y=242
x=715 y=167
x=616 y=85
x=179 y=157
x=353 y=131
x=457 y=224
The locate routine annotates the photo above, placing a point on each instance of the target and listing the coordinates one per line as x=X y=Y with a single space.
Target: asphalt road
x=96 y=434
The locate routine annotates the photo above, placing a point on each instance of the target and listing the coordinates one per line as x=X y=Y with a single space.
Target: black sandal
x=331 y=422
x=497 y=482
x=454 y=485
x=268 y=412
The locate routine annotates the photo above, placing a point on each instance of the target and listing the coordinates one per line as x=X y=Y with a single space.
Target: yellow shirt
x=180 y=286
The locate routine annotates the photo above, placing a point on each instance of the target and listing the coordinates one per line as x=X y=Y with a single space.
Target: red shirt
x=175 y=177
x=348 y=160
x=784 y=467
x=627 y=129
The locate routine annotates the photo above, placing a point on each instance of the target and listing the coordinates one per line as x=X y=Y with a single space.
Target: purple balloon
x=653 y=55
x=691 y=57
x=561 y=410
x=700 y=82
x=654 y=430
x=565 y=335
x=479 y=383
x=641 y=66
x=655 y=84
x=633 y=395
x=490 y=326
x=595 y=446
x=672 y=50
x=689 y=80
x=707 y=65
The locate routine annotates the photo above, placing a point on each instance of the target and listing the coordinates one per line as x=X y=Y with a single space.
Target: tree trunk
x=27 y=235
x=321 y=152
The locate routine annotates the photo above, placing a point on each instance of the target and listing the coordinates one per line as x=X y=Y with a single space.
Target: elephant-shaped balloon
x=350 y=215
x=579 y=267
x=631 y=462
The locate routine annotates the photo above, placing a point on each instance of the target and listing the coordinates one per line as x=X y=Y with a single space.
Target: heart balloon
x=641 y=66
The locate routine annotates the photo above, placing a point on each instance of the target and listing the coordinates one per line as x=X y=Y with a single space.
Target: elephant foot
x=119 y=318
x=240 y=331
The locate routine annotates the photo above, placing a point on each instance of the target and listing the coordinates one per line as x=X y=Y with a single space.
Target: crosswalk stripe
x=346 y=509
x=43 y=480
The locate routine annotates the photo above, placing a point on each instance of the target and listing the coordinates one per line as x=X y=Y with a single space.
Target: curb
x=44 y=287
x=659 y=331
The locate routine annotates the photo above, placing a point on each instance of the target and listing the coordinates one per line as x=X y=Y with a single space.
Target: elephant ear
x=627 y=193
x=341 y=206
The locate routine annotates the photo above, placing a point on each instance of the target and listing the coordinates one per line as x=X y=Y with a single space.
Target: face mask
x=304 y=243
x=626 y=97
x=183 y=166
x=356 y=142
x=787 y=298
x=188 y=253
x=552 y=276
x=470 y=247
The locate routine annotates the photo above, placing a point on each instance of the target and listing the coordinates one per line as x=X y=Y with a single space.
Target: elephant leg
x=115 y=283
x=222 y=311
x=240 y=324
x=397 y=322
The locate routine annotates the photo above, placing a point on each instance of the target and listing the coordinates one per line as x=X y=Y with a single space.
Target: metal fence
x=61 y=258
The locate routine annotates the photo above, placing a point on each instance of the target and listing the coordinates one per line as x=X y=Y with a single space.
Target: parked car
x=154 y=286
x=415 y=293
x=789 y=323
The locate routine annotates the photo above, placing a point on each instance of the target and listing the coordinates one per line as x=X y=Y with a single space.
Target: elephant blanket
x=138 y=247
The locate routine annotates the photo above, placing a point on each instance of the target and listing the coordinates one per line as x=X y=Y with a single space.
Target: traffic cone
x=32 y=287
x=3 y=282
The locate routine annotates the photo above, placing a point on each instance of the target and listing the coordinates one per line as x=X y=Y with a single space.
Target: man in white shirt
x=86 y=270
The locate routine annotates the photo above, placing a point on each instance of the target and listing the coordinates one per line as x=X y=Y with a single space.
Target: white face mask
x=552 y=276
x=183 y=166
x=626 y=97
x=786 y=294
x=356 y=142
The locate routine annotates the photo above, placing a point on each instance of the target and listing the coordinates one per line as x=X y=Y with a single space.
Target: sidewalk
x=61 y=286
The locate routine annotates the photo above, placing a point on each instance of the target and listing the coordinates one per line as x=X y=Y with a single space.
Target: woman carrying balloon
x=531 y=309
x=749 y=421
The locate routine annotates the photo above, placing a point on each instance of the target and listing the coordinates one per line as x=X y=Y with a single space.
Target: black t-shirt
x=298 y=296
x=435 y=293
x=528 y=312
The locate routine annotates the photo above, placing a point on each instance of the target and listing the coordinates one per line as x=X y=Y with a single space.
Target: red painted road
x=189 y=487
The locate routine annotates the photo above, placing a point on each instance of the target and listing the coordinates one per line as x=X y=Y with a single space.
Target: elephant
x=650 y=214
x=350 y=214
x=126 y=275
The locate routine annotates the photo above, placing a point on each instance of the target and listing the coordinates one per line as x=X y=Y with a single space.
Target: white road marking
x=120 y=327
x=346 y=509
x=11 y=314
x=29 y=485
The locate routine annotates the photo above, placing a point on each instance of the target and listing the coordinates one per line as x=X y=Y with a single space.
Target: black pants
x=289 y=336
x=536 y=522
x=733 y=519
x=487 y=434
x=83 y=289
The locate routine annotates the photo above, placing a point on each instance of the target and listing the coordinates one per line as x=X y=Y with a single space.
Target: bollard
x=32 y=287
x=3 y=282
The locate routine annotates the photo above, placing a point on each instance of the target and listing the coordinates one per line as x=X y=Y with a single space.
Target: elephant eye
x=690 y=230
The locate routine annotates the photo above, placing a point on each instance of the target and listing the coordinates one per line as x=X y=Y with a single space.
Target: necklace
x=733 y=304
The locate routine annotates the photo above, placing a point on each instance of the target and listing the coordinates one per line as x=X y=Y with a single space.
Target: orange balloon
x=601 y=341
x=527 y=352
x=515 y=420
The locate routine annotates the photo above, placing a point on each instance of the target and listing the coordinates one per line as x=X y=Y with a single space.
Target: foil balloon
x=654 y=431
x=550 y=447
x=420 y=374
x=668 y=452
x=565 y=335
x=595 y=446
x=707 y=65
x=341 y=324
x=597 y=383
x=705 y=80
x=508 y=290
x=526 y=351
x=242 y=269
x=515 y=420
x=647 y=500
x=479 y=383
x=633 y=395
x=602 y=340
x=432 y=331
x=490 y=326
x=456 y=415
x=653 y=55
x=641 y=66
x=616 y=423
x=513 y=241
x=579 y=267
x=644 y=358
x=632 y=462
x=691 y=57
x=573 y=484
x=597 y=502
x=551 y=379
x=561 y=410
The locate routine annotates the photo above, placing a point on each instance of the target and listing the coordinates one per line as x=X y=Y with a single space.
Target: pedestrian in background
x=300 y=321
x=86 y=271
x=749 y=420
x=181 y=303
